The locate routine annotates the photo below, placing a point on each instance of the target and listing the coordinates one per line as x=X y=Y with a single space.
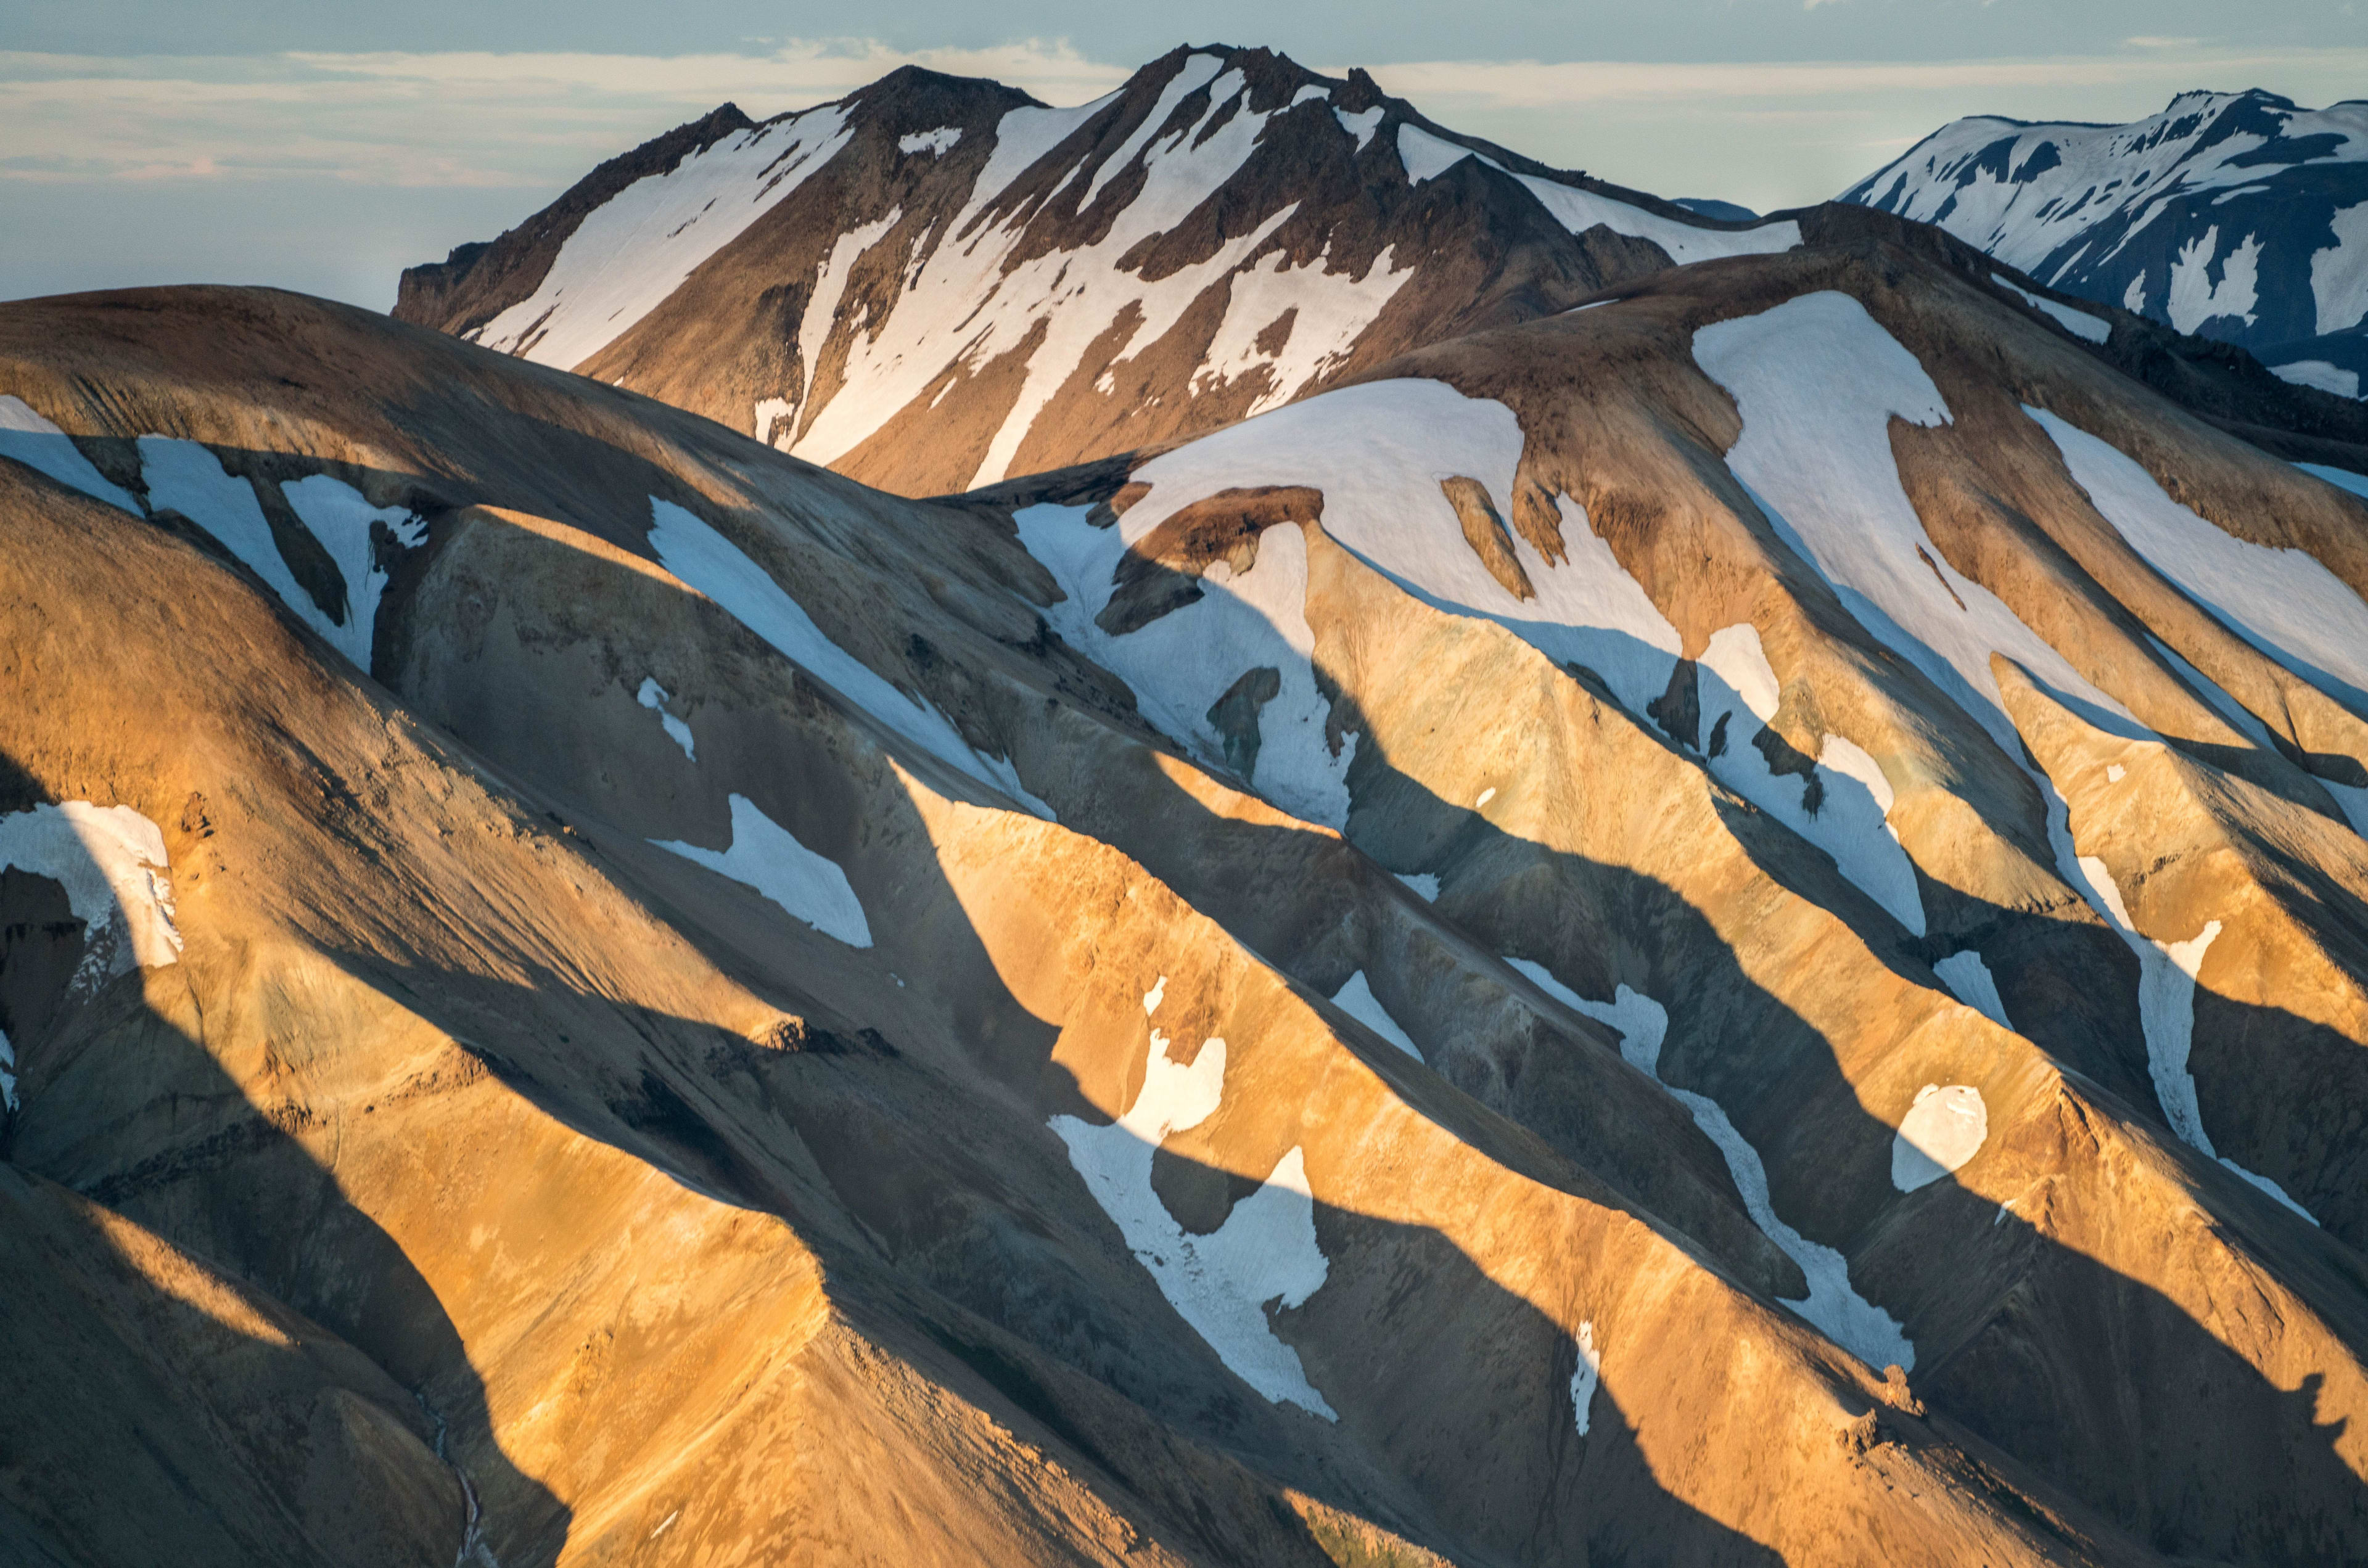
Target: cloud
x=455 y=118
x=1538 y=83
x=2149 y=40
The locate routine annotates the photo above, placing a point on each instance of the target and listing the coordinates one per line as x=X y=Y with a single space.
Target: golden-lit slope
x=794 y=1024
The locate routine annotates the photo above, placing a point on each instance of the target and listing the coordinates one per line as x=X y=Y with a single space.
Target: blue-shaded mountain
x=2237 y=216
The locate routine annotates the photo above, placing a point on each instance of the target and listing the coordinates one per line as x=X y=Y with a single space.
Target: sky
x=324 y=146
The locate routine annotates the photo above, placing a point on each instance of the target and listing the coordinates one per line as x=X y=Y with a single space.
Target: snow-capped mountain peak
x=2235 y=215
x=1223 y=234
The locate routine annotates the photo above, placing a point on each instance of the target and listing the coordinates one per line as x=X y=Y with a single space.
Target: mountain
x=939 y=283
x=2235 y=215
x=1728 y=927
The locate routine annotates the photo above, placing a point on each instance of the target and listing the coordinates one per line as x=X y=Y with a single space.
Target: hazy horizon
x=278 y=144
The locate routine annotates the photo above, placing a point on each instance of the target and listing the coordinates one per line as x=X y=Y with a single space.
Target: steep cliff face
x=1728 y=927
x=937 y=283
x=2238 y=216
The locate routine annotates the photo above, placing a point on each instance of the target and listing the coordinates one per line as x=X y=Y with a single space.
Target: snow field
x=653 y=697
x=41 y=446
x=1378 y=451
x=933 y=142
x=765 y=856
x=2081 y=324
x=110 y=861
x=1968 y=979
x=635 y=249
x=1818 y=381
x=1356 y=998
x=1737 y=686
x=1945 y=1128
x=962 y=296
x=1837 y=1309
x=186 y=477
x=2319 y=373
x=716 y=567
x=2074 y=175
x=1220 y=1284
x=1586 y=1377
x=1427 y=156
x=1179 y=665
x=2282 y=601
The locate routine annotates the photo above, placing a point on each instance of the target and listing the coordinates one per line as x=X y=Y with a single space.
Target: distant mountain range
x=2235 y=215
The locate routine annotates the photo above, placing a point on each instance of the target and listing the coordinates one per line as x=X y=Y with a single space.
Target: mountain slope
x=1701 y=928
x=2239 y=216
x=937 y=283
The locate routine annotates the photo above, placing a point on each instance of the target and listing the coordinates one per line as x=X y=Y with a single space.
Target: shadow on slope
x=226 y=1427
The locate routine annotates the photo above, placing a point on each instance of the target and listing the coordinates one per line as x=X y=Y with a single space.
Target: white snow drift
x=1221 y=1283
x=765 y=856
x=1844 y=1316
x=186 y=477
x=716 y=567
x=1945 y=1127
x=111 y=862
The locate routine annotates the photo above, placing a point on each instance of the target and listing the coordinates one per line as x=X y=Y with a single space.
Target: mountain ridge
x=2234 y=217
x=1259 y=205
x=1782 y=704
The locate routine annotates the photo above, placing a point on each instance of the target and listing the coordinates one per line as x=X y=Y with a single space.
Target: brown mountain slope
x=798 y=1040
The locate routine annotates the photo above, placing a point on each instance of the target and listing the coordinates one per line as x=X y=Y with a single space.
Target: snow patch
x=2195 y=299
x=2320 y=374
x=1945 y=1128
x=636 y=248
x=1486 y=795
x=706 y=561
x=2282 y=601
x=765 y=856
x=1221 y=1283
x=1182 y=663
x=2339 y=275
x=2078 y=323
x=43 y=448
x=1586 y=1377
x=7 y=1074
x=186 y=477
x=110 y=861
x=1361 y=125
x=1357 y=999
x=1152 y=998
x=1836 y=1309
x=767 y=415
x=1968 y=978
x=1330 y=310
x=830 y=285
x=933 y=142
x=1851 y=823
x=1424 y=885
x=2115 y=773
x=653 y=697
x=2167 y=974
x=1818 y=381
x=1427 y=156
